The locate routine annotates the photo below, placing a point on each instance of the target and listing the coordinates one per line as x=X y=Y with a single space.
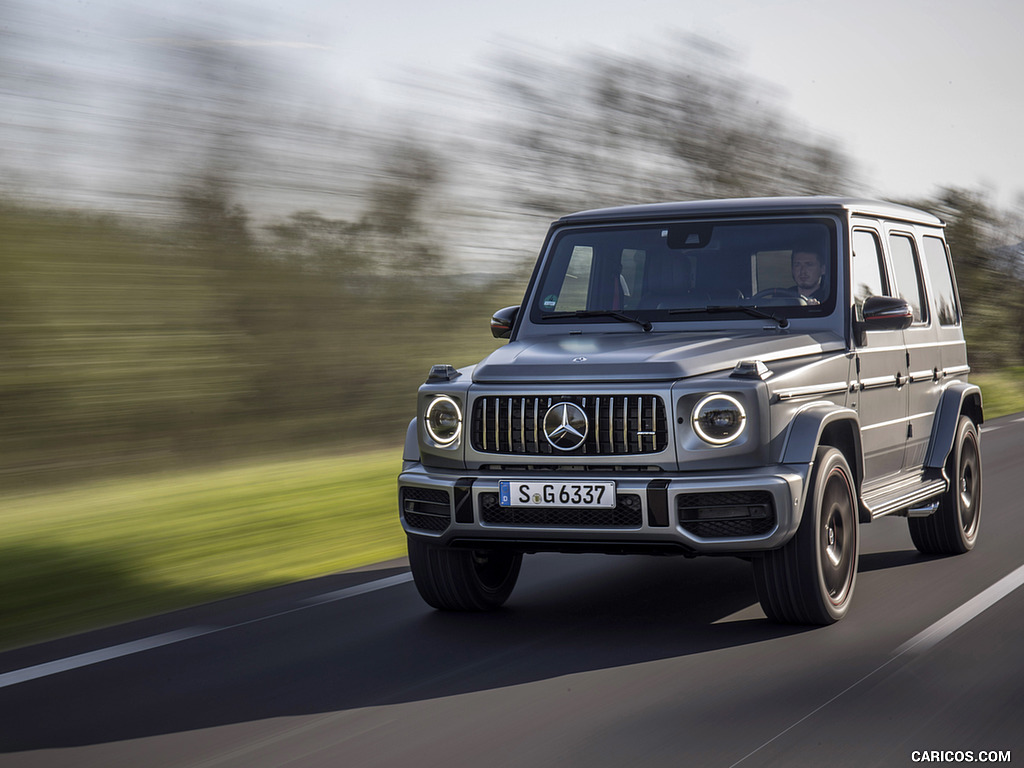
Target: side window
x=571 y=295
x=868 y=276
x=907 y=273
x=942 y=281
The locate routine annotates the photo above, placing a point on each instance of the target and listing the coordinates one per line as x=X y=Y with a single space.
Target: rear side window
x=907 y=273
x=942 y=281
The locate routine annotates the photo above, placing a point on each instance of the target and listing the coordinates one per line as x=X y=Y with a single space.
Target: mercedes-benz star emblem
x=565 y=426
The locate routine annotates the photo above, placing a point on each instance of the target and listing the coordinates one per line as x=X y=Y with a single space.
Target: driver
x=809 y=274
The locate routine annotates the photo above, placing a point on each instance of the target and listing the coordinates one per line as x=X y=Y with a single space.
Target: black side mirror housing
x=502 y=322
x=883 y=313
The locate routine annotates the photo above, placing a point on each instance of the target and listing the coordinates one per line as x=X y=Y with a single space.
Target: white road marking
x=95 y=657
x=994 y=427
x=359 y=589
x=170 y=638
x=921 y=642
x=951 y=622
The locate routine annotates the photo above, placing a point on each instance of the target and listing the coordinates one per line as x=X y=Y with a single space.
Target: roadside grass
x=94 y=554
x=88 y=556
x=1002 y=391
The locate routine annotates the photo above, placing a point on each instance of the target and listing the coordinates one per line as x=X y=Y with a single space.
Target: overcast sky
x=920 y=93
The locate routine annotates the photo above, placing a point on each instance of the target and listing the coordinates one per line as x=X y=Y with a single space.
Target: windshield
x=649 y=272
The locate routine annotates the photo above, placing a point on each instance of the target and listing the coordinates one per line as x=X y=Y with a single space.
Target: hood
x=647 y=357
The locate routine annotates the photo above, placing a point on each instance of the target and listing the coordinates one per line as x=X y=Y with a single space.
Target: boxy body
x=748 y=377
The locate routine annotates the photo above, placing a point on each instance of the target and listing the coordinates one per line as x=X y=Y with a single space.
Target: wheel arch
x=959 y=398
x=827 y=424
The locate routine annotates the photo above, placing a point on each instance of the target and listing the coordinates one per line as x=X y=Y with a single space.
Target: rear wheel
x=810 y=580
x=953 y=528
x=463 y=579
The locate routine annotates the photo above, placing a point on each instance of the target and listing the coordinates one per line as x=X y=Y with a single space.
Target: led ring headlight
x=443 y=420
x=719 y=419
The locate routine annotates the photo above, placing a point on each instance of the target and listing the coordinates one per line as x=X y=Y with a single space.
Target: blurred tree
x=395 y=232
x=606 y=129
x=981 y=241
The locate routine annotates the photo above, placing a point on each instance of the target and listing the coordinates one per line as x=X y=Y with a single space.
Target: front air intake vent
x=426 y=509
x=726 y=515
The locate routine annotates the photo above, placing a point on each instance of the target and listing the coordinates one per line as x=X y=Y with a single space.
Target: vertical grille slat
x=619 y=425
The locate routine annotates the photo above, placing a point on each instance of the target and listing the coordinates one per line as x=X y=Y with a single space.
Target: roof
x=756 y=206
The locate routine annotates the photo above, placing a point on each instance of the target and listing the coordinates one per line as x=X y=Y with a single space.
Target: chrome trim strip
x=484 y=438
x=901 y=420
x=957 y=370
x=522 y=422
x=611 y=422
x=921 y=376
x=819 y=390
x=625 y=420
x=878 y=382
x=536 y=418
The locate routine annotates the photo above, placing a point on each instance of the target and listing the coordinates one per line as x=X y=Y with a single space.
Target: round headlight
x=444 y=420
x=719 y=419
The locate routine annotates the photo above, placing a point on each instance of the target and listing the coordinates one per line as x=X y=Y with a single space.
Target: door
x=881 y=363
x=924 y=358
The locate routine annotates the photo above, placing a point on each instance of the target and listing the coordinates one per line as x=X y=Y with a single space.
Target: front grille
x=618 y=425
x=427 y=509
x=628 y=513
x=725 y=515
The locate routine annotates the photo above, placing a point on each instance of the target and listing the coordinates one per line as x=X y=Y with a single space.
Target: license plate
x=519 y=493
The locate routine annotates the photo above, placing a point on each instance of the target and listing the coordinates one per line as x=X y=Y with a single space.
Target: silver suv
x=744 y=377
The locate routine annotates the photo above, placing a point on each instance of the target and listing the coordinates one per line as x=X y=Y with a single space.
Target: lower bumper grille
x=628 y=513
x=726 y=515
x=427 y=509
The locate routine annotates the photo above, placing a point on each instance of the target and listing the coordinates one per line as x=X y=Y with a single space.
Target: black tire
x=953 y=528
x=463 y=579
x=811 y=579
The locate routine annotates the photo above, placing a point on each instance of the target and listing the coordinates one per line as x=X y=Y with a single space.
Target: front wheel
x=810 y=580
x=463 y=579
x=953 y=528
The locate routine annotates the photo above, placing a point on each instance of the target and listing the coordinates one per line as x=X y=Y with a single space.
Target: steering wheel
x=781 y=296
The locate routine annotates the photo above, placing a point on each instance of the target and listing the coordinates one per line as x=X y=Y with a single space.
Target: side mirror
x=883 y=313
x=502 y=322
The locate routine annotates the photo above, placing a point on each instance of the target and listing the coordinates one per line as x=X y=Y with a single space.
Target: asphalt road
x=596 y=661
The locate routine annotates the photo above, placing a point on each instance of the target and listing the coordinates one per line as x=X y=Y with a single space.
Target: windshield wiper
x=783 y=322
x=601 y=313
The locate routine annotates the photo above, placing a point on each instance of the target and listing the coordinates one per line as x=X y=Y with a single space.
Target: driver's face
x=807 y=271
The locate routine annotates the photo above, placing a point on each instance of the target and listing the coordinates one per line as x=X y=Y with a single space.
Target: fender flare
x=959 y=397
x=411 y=451
x=808 y=426
x=825 y=423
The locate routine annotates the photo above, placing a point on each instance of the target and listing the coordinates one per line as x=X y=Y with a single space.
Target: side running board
x=914 y=497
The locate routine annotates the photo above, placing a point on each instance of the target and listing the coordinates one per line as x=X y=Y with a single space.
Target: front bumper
x=737 y=512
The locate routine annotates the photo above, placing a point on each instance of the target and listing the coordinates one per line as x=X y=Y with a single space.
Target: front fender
x=826 y=423
x=816 y=420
